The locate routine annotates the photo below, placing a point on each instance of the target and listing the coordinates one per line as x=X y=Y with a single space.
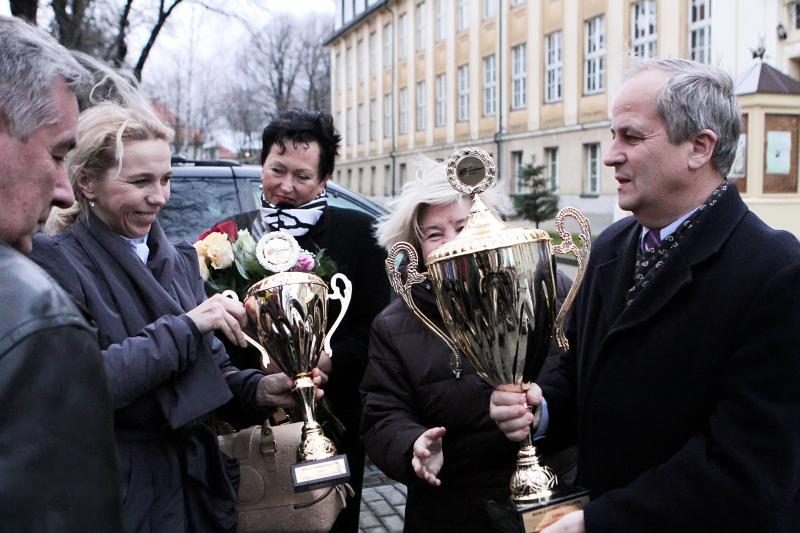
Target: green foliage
x=538 y=203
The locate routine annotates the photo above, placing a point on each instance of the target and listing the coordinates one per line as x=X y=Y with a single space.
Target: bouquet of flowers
x=228 y=260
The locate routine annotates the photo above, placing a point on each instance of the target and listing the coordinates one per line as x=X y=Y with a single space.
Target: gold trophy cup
x=495 y=289
x=290 y=310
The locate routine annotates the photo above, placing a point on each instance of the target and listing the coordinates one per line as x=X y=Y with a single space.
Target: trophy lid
x=472 y=171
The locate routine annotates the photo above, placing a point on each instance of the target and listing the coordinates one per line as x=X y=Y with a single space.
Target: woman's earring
x=91 y=203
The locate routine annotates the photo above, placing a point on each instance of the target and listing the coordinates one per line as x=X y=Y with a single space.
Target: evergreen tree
x=536 y=202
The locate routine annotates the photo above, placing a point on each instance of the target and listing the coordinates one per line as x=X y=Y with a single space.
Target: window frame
x=489 y=85
x=644 y=40
x=441 y=100
x=594 y=55
x=553 y=58
x=591 y=178
x=402 y=111
x=700 y=31
x=519 y=76
x=420 y=121
x=463 y=92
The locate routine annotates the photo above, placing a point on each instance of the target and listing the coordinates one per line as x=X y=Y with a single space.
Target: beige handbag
x=267 y=501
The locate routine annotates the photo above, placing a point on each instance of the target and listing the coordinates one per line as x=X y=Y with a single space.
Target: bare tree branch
x=119 y=48
x=162 y=18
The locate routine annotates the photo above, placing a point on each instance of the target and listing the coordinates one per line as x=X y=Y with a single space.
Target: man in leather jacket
x=58 y=466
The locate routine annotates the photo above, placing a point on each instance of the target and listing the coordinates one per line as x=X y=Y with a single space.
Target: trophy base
x=327 y=472
x=562 y=500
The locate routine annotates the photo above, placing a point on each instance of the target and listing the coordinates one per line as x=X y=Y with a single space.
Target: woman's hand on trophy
x=275 y=390
x=223 y=314
x=324 y=367
x=511 y=411
x=428 y=457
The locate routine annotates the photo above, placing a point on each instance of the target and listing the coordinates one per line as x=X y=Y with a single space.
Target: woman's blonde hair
x=428 y=187
x=103 y=131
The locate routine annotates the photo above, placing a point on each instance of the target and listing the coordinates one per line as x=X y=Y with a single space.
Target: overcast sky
x=208 y=33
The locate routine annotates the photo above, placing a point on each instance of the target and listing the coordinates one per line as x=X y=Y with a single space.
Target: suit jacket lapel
x=699 y=245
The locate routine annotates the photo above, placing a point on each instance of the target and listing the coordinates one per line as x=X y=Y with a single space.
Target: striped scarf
x=295 y=221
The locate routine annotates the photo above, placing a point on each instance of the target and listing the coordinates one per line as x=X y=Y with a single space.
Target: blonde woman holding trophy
x=422 y=425
x=166 y=370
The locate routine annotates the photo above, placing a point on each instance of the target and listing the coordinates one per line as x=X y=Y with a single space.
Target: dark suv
x=205 y=192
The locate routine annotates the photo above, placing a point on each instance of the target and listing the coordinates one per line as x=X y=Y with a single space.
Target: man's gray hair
x=30 y=63
x=696 y=97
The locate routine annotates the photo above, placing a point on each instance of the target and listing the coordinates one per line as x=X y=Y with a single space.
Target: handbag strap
x=267 y=444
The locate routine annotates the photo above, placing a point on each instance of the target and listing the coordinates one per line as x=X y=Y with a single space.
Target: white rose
x=200 y=247
x=218 y=250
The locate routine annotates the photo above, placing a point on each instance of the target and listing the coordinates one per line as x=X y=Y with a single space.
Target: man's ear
x=703 y=145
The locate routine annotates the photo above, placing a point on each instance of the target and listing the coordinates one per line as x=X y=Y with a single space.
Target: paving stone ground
x=383 y=503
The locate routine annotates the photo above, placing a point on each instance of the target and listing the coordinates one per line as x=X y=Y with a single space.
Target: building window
x=419 y=27
x=339 y=72
x=591 y=182
x=489 y=85
x=374 y=119
x=441 y=20
x=797 y=16
x=402 y=175
x=519 y=91
x=351 y=126
x=489 y=8
x=388 y=113
x=643 y=28
x=553 y=66
x=373 y=53
x=700 y=30
x=516 y=166
x=402 y=126
x=387 y=179
x=441 y=100
x=372 y=180
x=420 y=105
x=463 y=15
x=594 y=56
x=387 y=45
x=402 y=37
x=517 y=2
x=551 y=167
x=463 y=92
x=362 y=124
x=349 y=178
x=361 y=65
x=360 y=183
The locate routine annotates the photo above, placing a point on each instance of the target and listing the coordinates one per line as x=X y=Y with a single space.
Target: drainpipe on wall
x=498 y=136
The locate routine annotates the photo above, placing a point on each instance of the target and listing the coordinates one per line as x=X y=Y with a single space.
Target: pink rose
x=305 y=263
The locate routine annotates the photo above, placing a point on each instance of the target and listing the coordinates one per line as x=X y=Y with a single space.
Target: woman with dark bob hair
x=298 y=152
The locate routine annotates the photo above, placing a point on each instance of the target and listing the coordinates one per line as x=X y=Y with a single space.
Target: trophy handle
x=581 y=254
x=403 y=289
x=344 y=296
x=255 y=344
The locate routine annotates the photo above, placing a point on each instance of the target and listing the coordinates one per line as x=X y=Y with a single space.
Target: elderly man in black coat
x=681 y=383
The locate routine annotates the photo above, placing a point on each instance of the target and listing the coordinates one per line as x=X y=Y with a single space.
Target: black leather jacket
x=58 y=466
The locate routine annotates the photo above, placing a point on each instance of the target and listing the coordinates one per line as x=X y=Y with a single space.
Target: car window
x=204 y=195
x=196 y=204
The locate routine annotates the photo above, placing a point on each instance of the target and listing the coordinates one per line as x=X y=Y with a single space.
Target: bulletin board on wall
x=781 y=153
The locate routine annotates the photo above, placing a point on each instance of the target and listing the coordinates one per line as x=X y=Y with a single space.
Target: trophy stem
x=532 y=482
x=314 y=444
